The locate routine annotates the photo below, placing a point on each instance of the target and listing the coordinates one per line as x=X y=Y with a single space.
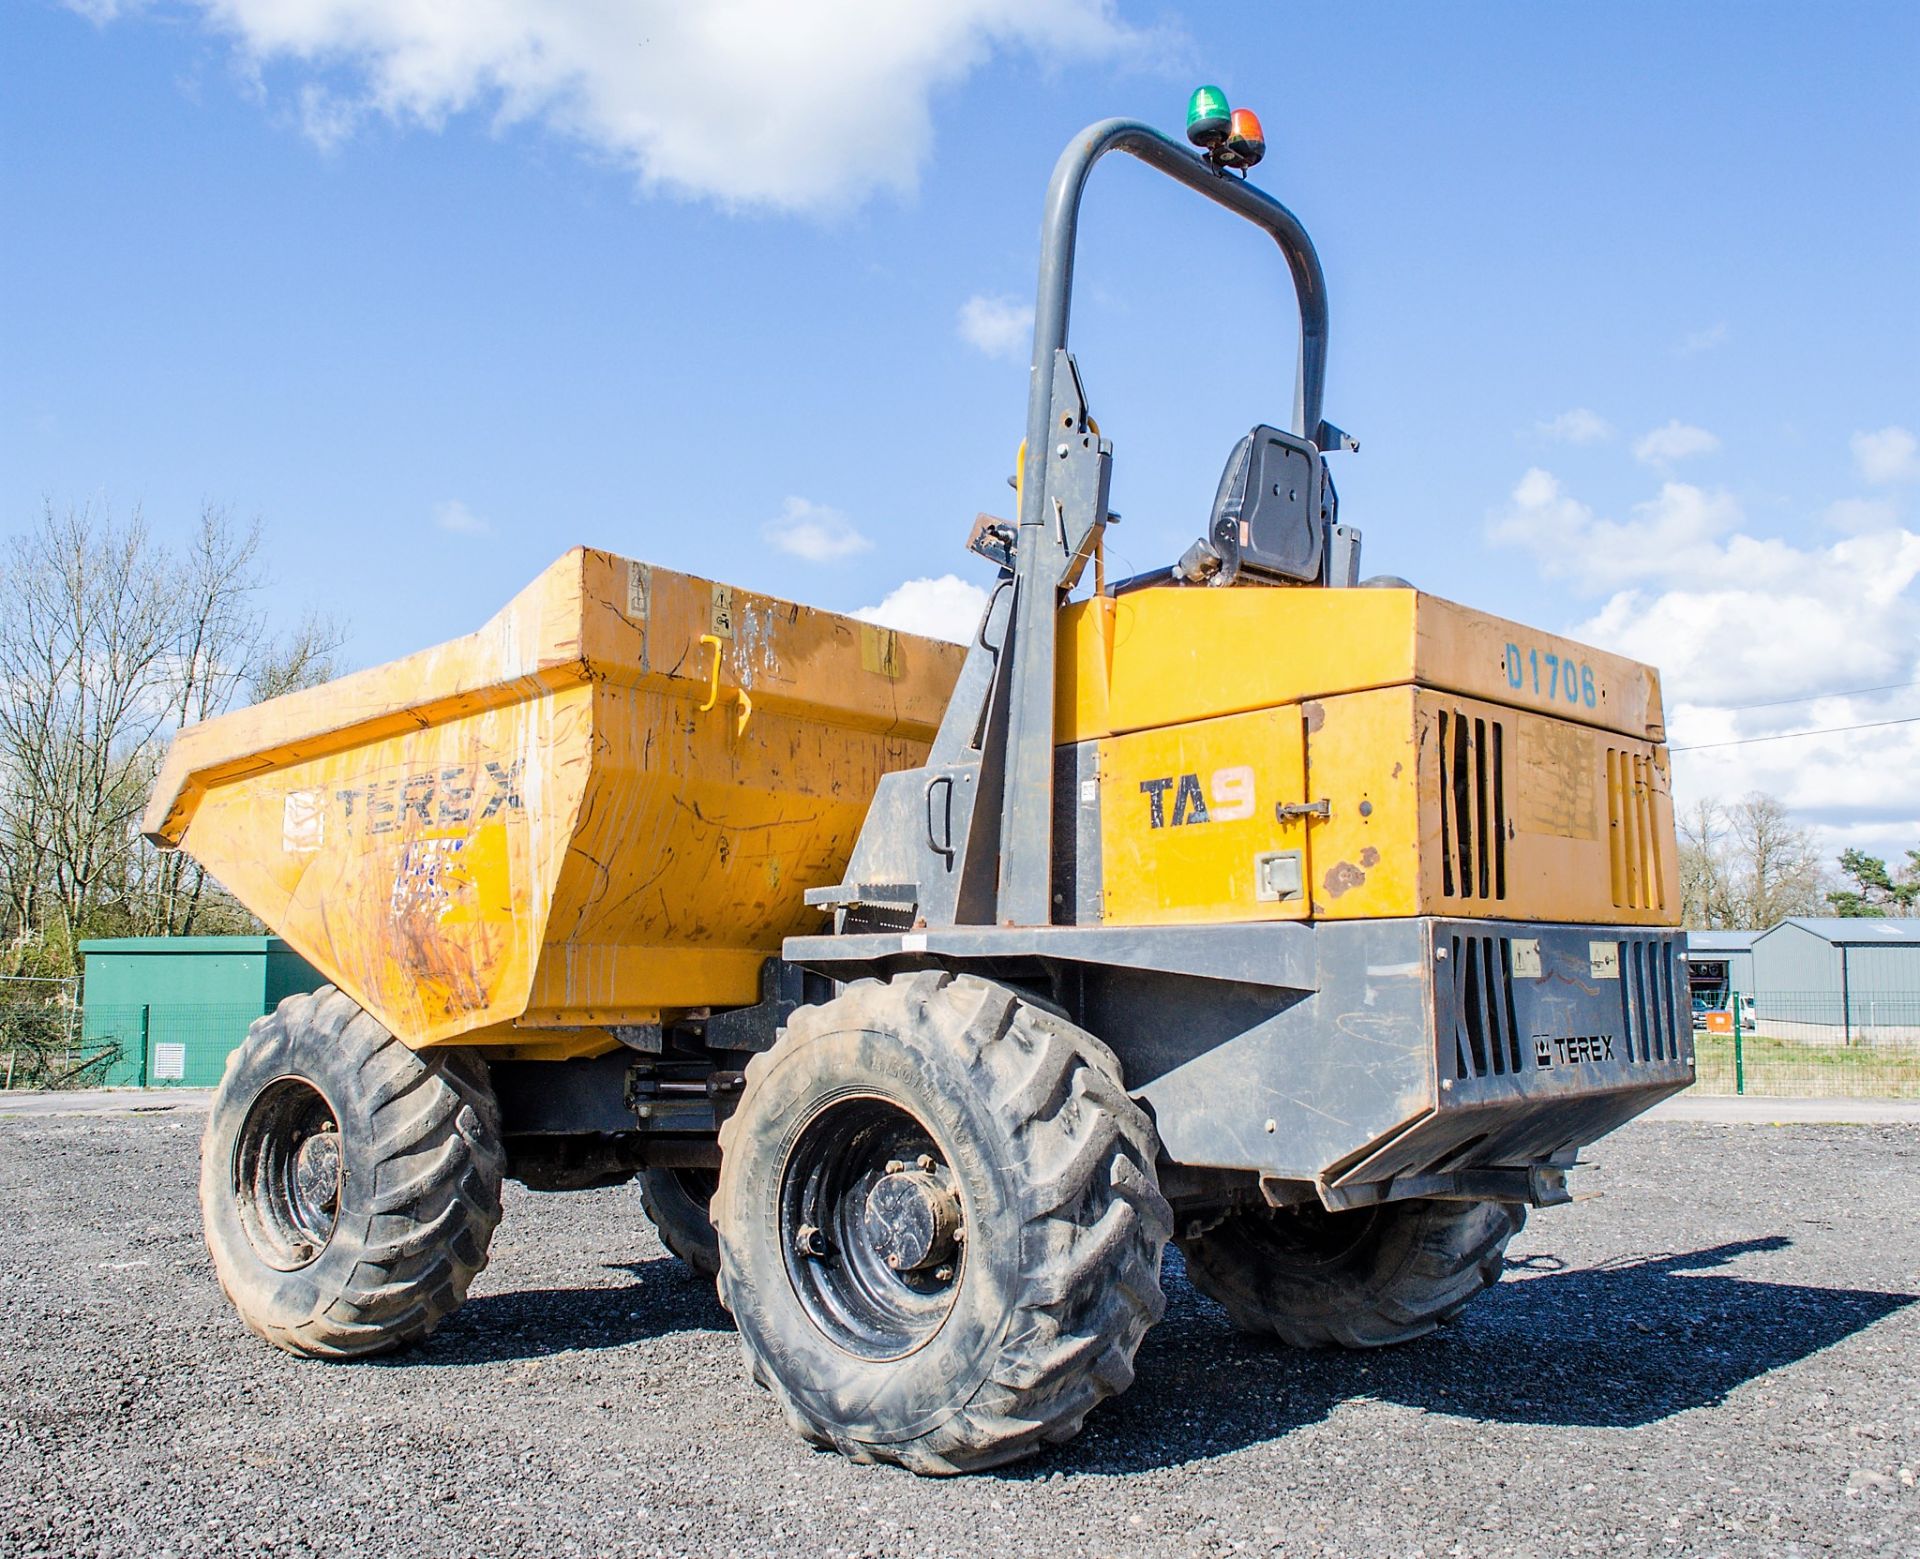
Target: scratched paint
x=524 y=835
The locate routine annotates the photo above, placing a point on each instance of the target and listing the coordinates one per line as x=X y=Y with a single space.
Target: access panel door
x=1206 y=821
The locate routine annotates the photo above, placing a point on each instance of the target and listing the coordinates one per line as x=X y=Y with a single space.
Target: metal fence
x=1811 y=1044
x=49 y=1041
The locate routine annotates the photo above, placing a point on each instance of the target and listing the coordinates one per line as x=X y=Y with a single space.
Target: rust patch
x=1316 y=715
x=1369 y=857
x=1342 y=877
x=1396 y=771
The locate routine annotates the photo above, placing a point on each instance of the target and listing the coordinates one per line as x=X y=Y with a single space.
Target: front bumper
x=1439 y=1057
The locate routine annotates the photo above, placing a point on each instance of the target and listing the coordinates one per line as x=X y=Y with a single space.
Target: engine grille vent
x=1486 y=1035
x=1633 y=834
x=1648 y=1013
x=1473 y=807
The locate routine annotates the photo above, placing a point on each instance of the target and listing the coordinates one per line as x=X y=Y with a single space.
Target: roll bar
x=1061 y=227
x=1063 y=483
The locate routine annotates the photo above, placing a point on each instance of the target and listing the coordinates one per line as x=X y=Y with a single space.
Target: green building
x=174 y=1007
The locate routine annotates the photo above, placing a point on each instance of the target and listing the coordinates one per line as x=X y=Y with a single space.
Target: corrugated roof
x=1720 y=941
x=1858 y=931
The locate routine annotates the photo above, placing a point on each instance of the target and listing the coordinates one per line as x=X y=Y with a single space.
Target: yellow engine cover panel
x=1443 y=805
x=1162 y=657
x=1191 y=827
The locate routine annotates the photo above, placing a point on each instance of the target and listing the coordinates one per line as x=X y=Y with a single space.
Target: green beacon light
x=1208 y=117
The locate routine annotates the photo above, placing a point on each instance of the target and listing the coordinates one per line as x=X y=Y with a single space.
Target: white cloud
x=814 y=532
x=1856 y=516
x=1676 y=441
x=1668 y=536
x=1694 y=342
x=1888 y=456
x=999 y=327
x=1732 y=619
x=455 y=517
x=1579 y=426
x=327 y=119
x=1755 y=620
x=749 y=102
x=945 y=608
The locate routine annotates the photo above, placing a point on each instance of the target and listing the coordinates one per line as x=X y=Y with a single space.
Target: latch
x=1311 y=811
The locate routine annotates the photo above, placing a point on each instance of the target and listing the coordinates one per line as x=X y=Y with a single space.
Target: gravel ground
x=1717 y=1351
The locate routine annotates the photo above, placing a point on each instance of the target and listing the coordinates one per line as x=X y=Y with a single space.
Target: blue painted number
x=1566 y=679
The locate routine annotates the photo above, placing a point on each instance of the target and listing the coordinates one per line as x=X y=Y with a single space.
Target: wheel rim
x=872 y=1227
x=287 y=1173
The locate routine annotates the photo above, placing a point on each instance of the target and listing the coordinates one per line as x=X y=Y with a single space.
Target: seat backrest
x=1270 y=515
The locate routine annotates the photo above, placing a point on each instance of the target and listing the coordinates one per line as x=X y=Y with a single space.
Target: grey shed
x=1852 y=973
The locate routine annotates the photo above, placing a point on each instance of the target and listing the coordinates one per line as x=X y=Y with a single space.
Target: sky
x=1624 y=310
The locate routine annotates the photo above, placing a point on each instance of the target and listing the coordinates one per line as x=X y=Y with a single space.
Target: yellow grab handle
x=713 y=689
x=713 y=682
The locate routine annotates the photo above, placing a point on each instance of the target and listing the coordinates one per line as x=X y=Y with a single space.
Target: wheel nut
x=925 y=1161
x=896 y=1166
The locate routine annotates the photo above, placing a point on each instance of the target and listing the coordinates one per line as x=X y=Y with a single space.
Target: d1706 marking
x=1557 y=678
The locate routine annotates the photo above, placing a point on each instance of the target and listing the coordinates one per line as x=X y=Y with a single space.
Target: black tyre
x=940 y=1230
x=677 y=1201
x=1359 y=1279
x=348 y=1185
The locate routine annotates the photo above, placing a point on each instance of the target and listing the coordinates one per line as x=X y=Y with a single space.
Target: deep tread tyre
x=677 y=1202
x=372 y=1242
x=1050 y=1164
x=1360 y=1279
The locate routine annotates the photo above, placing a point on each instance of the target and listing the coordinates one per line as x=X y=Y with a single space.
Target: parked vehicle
x=1311 y=922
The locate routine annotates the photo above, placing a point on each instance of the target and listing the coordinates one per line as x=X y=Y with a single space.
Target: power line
x=1808 y=698
x=1787 y=736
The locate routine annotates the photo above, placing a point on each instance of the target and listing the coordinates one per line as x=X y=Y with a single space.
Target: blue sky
x=1624 y=307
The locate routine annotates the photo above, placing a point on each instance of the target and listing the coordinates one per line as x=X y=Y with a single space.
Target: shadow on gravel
x=536 y=1323
x=1615 y=1346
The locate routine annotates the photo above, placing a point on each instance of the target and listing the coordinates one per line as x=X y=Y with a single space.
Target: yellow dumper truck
x=1306 y=920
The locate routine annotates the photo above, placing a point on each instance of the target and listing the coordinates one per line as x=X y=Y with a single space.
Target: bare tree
x=1778 y=869
x=84 y=648
x=1747 y=864
x=228 y=656
x=108 y=642
x=1706 y=895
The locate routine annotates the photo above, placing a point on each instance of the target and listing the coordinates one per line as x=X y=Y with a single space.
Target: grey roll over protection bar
x=1060 y=229
x=1045 y=552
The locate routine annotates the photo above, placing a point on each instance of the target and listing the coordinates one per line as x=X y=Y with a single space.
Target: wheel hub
x=316 y=1171
x=872 y=1224
x=287 y=1173
x=912 y=1220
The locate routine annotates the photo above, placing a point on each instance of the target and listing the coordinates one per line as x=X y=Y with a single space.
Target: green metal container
x=173 y=1008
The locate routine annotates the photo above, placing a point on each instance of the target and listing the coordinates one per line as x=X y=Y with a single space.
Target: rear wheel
x=1357 y=1279
x=349 y=1186
x=677 y=1201
x=940 y=1231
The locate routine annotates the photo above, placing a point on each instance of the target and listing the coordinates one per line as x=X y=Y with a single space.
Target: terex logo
x=1571 y=1049
x=1232 y=792
x=457 y=794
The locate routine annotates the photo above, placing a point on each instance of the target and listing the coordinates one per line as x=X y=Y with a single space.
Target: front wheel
x=940 y=1230
x=349 y=1186
x=1358 y=1279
